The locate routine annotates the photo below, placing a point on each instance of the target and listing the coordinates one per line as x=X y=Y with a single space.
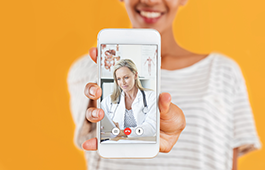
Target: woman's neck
x=173 y=56
x=132 y=93
x=169 y=46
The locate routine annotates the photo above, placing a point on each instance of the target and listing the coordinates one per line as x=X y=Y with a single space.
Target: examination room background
x=40 y=40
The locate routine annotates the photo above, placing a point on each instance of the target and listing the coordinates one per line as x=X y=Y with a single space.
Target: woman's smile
x=156 y=14
x=150 y=16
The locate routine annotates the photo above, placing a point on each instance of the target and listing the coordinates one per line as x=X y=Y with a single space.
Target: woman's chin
x=125 y=90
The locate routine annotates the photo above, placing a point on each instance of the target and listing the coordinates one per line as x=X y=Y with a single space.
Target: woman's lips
x=150 y=17
x=124 y=87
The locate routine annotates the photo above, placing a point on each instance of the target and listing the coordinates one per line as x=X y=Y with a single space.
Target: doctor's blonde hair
x=117 y=90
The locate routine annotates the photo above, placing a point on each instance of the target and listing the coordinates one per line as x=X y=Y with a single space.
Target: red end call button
x=127 y=131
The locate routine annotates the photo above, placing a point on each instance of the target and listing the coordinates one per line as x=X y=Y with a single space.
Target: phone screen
x=128 y=78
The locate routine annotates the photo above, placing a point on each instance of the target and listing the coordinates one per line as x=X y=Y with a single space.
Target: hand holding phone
x=129 y=75
x=172 y=120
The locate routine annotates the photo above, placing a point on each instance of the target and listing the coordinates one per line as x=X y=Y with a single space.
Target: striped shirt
x=213 y=96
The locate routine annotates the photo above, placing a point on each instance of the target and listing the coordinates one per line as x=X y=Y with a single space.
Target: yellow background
x=40 y=39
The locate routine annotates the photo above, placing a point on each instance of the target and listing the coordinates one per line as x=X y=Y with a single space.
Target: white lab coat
x=147 y=121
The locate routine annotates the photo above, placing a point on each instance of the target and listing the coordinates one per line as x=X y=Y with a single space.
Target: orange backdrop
x=40 y=40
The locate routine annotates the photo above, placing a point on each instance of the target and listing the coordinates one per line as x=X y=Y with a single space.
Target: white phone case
x=141 y=39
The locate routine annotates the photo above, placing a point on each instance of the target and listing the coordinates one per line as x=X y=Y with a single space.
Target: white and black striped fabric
x=214 y=99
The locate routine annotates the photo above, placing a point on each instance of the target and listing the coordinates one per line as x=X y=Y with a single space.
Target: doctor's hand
x=172 y=119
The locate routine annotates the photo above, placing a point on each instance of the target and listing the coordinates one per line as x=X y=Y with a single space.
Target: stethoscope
x=145 y=109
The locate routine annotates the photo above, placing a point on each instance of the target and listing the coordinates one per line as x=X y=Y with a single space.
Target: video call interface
x=128 y=80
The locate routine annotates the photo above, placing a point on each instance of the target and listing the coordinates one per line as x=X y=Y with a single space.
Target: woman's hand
x=172 y=120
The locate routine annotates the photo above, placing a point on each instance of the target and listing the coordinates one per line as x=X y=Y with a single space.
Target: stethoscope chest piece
x=145 y=110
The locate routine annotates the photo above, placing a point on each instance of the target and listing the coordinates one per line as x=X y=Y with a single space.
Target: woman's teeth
x=150 y=14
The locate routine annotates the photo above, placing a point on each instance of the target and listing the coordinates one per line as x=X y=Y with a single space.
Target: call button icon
x=139 y=131
x=115 y=131
x=127 y=131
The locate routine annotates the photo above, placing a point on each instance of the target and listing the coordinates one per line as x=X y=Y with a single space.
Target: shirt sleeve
x=80 y=73
x=245 y=134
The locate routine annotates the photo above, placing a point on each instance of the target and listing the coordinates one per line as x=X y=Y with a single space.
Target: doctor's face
x=125 y=79
x=156 y=14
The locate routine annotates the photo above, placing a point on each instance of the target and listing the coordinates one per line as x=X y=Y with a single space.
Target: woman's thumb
x=164 y=104
x=93 y=52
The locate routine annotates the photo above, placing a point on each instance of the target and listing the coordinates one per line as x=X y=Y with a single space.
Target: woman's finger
x=94 y=115
x=93 y=91
x=90 y=145
x=93 y=52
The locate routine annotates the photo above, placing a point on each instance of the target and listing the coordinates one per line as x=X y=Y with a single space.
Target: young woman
x=209 y=89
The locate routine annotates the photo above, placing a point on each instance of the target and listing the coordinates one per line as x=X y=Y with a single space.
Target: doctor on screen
x=130 y=105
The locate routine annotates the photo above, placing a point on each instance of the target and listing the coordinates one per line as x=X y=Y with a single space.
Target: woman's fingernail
x=92 y=90
x=95 y=113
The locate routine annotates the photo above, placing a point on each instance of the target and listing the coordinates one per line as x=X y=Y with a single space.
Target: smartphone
x=129 y=65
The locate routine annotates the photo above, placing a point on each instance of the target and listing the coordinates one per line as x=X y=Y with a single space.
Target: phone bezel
x=130 y=36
